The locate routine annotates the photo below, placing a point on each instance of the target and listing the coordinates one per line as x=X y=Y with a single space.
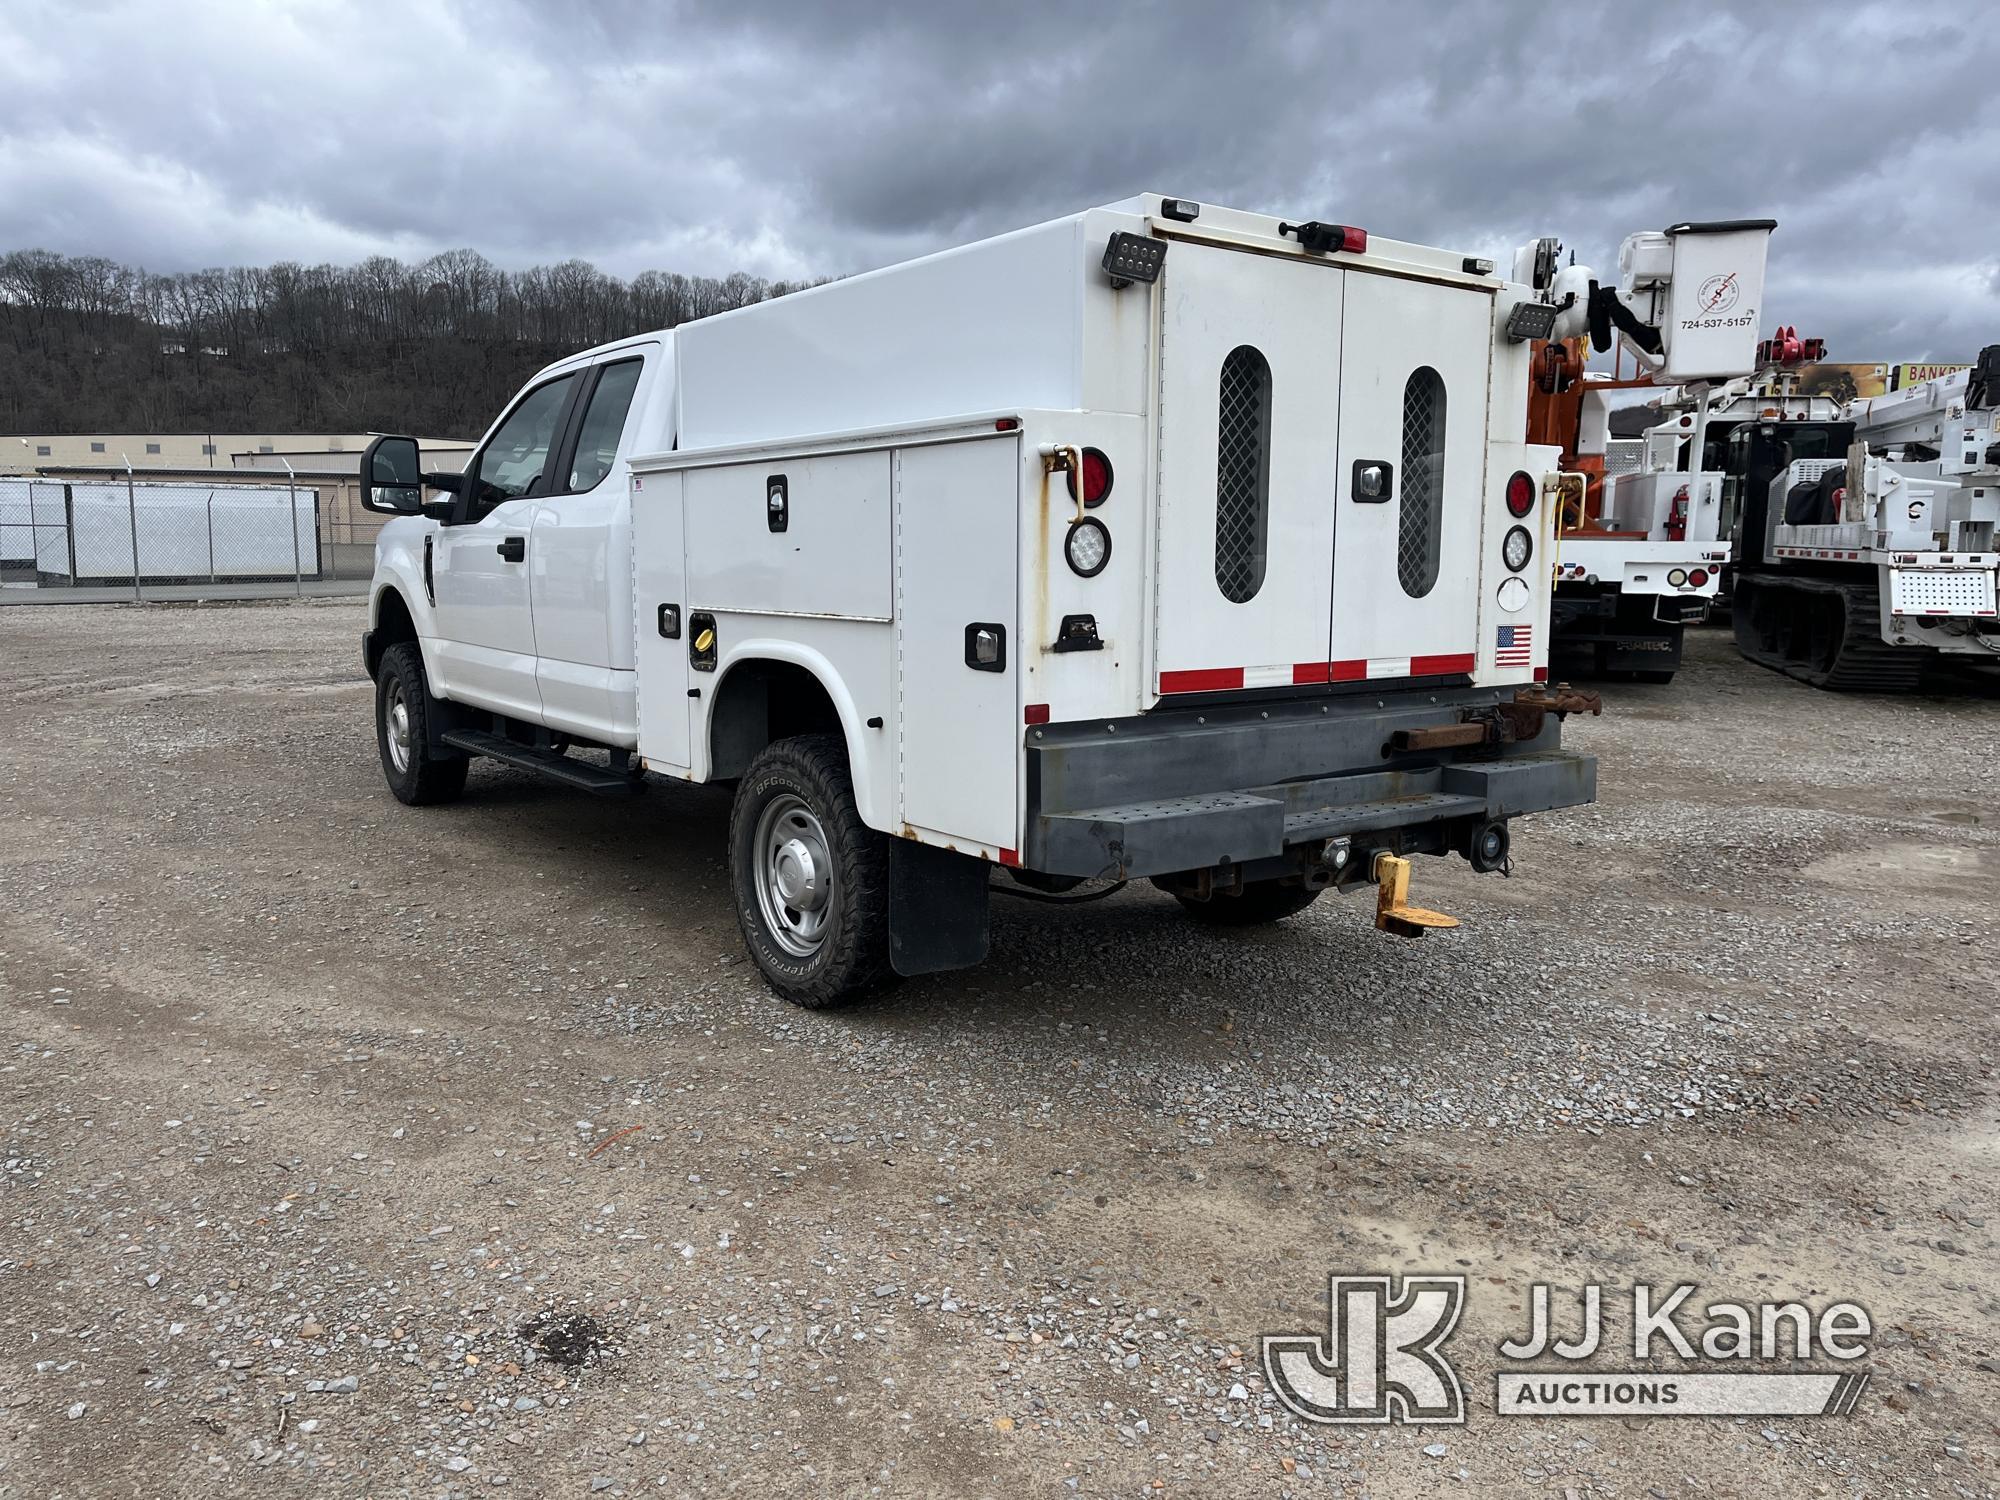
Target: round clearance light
x=1517 y=548
x=1678 y=578
x=1520 y=495
x=1097 y=477
x=1087 y=548
x=1514 y=594
x=1699 y=578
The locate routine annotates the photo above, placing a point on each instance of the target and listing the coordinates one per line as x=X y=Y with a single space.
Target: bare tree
x=434 y=347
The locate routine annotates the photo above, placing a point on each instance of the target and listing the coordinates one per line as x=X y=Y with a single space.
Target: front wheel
x=1261 y=901
x=402 y=732
x=811 y=880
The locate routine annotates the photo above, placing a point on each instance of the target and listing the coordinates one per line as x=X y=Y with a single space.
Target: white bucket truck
x=1161 y=540
x=1643 y=557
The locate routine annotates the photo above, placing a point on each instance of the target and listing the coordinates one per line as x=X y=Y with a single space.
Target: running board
x=601 y=781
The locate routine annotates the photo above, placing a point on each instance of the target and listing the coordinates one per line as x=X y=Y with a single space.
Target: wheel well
x=759 y=702
x=393 y=625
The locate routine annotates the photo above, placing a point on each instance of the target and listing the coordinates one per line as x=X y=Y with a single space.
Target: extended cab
x=1162 y=540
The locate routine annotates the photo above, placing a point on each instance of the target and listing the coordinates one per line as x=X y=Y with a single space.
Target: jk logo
x=1380 y=1360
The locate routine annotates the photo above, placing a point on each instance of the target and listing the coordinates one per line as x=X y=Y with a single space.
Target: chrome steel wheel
x=794 y=876
x=396 y=724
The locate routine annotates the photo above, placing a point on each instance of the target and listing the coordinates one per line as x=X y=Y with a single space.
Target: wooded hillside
x=87 y=345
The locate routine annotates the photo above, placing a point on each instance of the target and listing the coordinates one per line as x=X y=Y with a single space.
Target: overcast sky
x=827 y=136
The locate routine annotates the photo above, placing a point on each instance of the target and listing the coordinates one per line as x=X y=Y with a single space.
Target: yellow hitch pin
x=1393 y=912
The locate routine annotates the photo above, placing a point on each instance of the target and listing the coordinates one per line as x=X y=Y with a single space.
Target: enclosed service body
x=1160 y=540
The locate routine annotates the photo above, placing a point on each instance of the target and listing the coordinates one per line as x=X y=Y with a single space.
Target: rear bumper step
x=1323 y=776
x=1191 y=833
x=600 y=780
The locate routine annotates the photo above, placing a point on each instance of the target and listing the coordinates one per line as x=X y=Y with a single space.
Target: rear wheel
x=811 y=880
x=415 y=773
x=1261 y=901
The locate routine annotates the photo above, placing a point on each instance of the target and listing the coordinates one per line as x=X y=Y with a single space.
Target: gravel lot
x=314 y=1103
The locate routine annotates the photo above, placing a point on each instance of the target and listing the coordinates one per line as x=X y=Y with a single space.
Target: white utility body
x=1649 y=561
x=1159 y=540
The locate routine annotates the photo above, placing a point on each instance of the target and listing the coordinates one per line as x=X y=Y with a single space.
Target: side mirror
x=392 y=479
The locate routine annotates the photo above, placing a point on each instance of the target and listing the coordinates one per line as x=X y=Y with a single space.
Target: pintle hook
x=1393 y=912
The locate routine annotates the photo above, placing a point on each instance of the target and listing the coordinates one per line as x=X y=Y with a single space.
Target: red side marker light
x=1036 y=713
x=1006 y=424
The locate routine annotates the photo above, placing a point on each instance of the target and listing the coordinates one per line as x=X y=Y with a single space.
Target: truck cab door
x=579 y=553
x=484 y=651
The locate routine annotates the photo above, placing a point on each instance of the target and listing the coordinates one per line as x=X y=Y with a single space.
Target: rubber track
x=1865 y=663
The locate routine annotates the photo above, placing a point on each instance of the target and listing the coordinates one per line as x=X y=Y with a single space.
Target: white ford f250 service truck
x=1161 y=540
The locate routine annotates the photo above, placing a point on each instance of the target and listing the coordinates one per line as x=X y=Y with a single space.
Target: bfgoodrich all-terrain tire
x=402 y=732
x=1262 y=901
x=811 y=880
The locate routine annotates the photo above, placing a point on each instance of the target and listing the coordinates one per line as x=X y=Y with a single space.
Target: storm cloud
x=800 y=139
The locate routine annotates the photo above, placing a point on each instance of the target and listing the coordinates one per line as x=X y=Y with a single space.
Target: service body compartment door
x=1250 y=354
x=1413 y=381
x=660 y=610
x=957 y=564
x=792 y=536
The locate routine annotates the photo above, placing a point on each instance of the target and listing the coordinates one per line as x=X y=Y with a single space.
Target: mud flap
x=937 y=908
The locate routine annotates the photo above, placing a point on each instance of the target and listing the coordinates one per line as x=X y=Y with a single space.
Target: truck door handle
x=512 y=548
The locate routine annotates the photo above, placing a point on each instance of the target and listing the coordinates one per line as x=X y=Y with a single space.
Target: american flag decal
x=1513 y=645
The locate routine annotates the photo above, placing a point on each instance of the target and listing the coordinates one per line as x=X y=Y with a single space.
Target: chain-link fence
x=133 y=539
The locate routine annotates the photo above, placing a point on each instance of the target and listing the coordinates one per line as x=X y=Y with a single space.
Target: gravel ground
x=458 y=1149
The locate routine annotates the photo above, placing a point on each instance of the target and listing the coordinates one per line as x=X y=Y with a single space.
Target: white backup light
x=1088 y=547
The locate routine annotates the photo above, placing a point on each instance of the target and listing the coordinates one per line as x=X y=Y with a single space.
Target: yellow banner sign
x=1905 y=376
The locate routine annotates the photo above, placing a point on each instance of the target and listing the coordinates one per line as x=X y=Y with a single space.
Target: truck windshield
x=512 y=462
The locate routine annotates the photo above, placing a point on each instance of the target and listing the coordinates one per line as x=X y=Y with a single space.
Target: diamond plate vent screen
x=1419 y=528
x=1624 y=456
x=1242 y=474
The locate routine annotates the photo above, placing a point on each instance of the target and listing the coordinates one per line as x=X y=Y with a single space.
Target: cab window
x=511 y=463
x=603 y=425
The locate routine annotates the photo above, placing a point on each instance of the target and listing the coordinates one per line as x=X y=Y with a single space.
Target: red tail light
x=1698 y=577
x=1520 y=495
x=1097 y=477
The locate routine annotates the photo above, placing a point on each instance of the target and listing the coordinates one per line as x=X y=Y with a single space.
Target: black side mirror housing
x=448 y=510
x=392 y=477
